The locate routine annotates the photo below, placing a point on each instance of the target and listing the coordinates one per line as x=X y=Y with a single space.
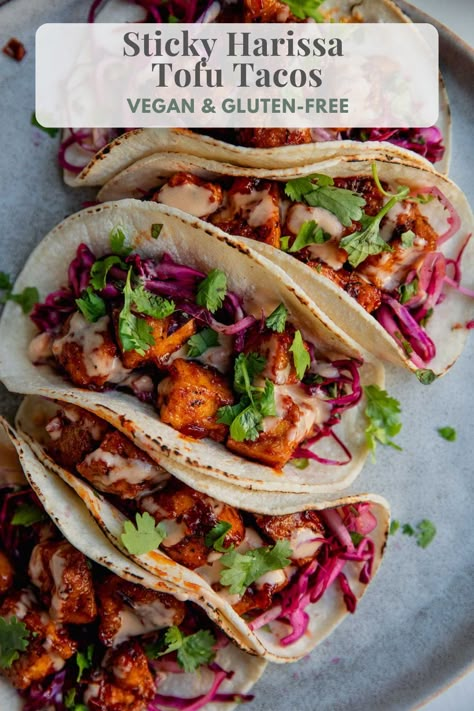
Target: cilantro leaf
x=309 y=233
x=151 y=304
x=394 y=526
x=216 y=536
x=246 y=367
x=101 y=268
x=306 y=8
x=5 y=281
x=407 y=291
x=70 y=701
x=425 y=376
x=14 y=638
x=299 y=463
x=246 y=425
x=27 y=514
x=227 y=414
x=297 y=188
x=26 y=299
x=91 y=305
x=212 y=290
x=135 y=333
x=360 y=245
x=276 y=321
x=117 y=239
x=382 y=411
x=344 y=204
x=407 y=239
x=356 y=537
x=84 y=661
x=301 y=357
x=200 y=342
x=50 y=131
x=156 y=230
x=192 y=650
x=408 y=530
x=266 y=400
x=285 y=243
x=447 y=433
x=425 y=532
x=241 y=570
x=143 y=538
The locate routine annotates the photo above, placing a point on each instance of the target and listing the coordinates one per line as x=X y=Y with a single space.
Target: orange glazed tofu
x=273 y=137
x=73 y=433
x=63 y=576
x=119 y=467
x=167 y=336
x=6 y=574
x=189 y=398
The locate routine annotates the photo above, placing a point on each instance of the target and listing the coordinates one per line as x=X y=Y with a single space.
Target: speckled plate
x=414 y=629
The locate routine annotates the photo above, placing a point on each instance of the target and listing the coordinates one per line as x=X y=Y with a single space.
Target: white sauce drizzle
x=256 y=207
x=134 y=471
x=193 y=199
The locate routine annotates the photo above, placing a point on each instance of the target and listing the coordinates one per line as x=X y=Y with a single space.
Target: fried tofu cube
x=304 y=530
x=275 y=348
x=189 y=398
x=273 y=137
x=88 y=353
x=6 y=574
x=119 y=467
x=73 y=433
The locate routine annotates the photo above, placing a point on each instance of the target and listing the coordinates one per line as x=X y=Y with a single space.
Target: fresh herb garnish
x=382 y=411
x=212 y=290
x=117 y=239
x=14 y=638
x=101 y=268
x=245 y=418
x=143 y=538
x=447 y=433
x=426 y=531
x=306 y=8
x=26 y=299
x=407 y=239
x=408 y=530
x=135 y=333
x=70 y=701
x=299 y=462
x=309 y=233
x=319 y=191
x=50 y=131
x=216 y=536
x=200 y=342
x=156 y=230
x=151 y=304
x=5 y=282
x=27 y=514
x=192 y=650
x=285 y=243
x=84 y=661
x=394 y=526
x=408 y=291
x=91 y=305
x=425 y=376
x=356 y=537
x=276 y=321
x=301 y=357
x=241 y=570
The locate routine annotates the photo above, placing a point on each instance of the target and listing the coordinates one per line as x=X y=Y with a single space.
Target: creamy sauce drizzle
x=193 y=199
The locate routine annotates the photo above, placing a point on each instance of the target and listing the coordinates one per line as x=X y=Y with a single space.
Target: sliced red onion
x=454 y=221
x=349 y=597
x=302 y=452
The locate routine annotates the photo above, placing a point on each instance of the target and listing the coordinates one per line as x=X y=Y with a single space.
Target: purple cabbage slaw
x=405 y=323
x=312 y=580
x=169 y=279
x=51 y=692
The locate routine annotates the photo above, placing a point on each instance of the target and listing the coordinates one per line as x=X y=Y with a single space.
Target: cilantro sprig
x=306 y=8
x=200 y=342
x=84 y=661
x=26 y=299
x=91 y=305
x=243 y=569
x=192 y=650
x=14 y=638
x=447 y=433
x=382 y=412
x=28 y=514
x=117 y=240
x=408 y=291
x=308 y=233
x=301 y=357
x=276 y=321
x=245 y=418
x=143 y=537
x=212 y=290
x=319 y=191
x=216 y=536
x=424 y=531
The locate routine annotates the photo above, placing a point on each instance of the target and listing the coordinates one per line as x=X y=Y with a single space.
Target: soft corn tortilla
x=81 y=530
x=445 y=327
x=324 y=615
x=257 y=280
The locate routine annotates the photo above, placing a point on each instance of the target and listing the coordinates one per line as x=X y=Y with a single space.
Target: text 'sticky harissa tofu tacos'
x=284 y=576
x=204 y=351
x=93 y=156
x=82 y=626
x=383 y=247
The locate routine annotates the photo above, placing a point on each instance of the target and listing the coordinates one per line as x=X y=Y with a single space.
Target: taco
x=377 y=243
x=81 y=626
x=290 y=577
x=93 y=156
x=244 y=372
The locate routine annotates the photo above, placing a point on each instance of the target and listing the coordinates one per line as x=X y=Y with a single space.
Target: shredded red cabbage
x=427 y=142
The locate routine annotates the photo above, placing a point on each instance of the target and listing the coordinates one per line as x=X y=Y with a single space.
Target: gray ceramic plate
x=414 y=629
